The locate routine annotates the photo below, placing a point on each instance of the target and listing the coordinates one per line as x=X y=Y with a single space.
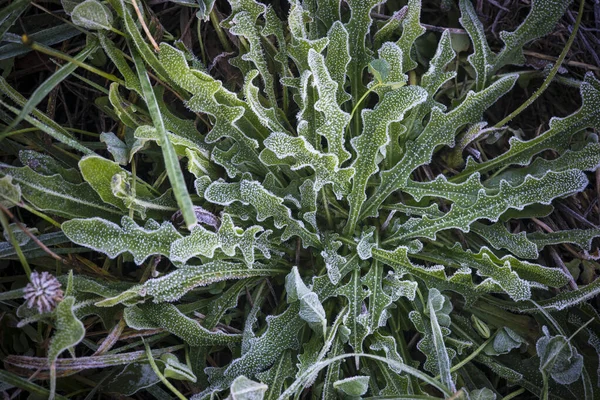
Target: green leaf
x=69 y=332
x=353 y=386
x=557 y=137
x=91 y=14
x=46 y=165
x=122 y=152
x=411 y=30
x=500 y=238
x=280 y=335
x=379 y=300
x=559 y=358
x=581 y=237
x=243 y=388
x=168 y=317
x=174 y=369
x=311 y=309
x=439 y=131
x=338 y=56
x=266 y=205
x=243 y=22
x=505 y=340
x=335 y=120
x=284 y=147
x=110 y=239
x=356 y=320
x=373 y=139
x=58 y=196
x=482 y=394
x=10 y=194
x=533 y=190
x=174 y=285
x=541 y=20
x=202 y=242
x=132 y=81
x=483 y=59
x=439 y=308
x=276 y=376
x=586 y=159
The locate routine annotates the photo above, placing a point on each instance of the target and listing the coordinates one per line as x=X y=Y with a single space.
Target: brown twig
x=144 y=26
x=32 y=236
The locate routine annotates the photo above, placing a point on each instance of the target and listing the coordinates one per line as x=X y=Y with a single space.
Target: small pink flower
x=43 y=292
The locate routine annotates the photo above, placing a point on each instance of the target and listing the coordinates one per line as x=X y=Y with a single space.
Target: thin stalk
x=53 y=53
x=220 y=34
x=159 y=374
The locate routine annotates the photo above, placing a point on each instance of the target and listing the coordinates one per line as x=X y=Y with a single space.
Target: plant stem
x=53 y=53
x=159 y=374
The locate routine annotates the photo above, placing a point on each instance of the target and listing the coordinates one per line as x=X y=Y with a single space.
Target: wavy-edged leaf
x=202 y=242
x=174 y=285
x=209 y=97
x=266 y=205
x=500 y=238
x=264 y=350
x=461 y=282
x=335 y=120
x=286 y=148
x=379 y=300
x=557 y=137
x=581 y=237
x=168 y=317
x=532 y=190
x=411 y=30
x=559 y=302
x=439 y=131
x=109 y=238
x=463 y=194
x=243 y=22
x=338 y=56
x=482 y=60
x=541 y=20
x=586 y=159
x=373 y=140
x=58 y=196
x=357 y=319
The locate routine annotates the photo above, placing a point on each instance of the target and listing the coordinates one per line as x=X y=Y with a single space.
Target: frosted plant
x=308 y=240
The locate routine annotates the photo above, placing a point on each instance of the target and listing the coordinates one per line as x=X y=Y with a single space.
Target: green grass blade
x=171 y=161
